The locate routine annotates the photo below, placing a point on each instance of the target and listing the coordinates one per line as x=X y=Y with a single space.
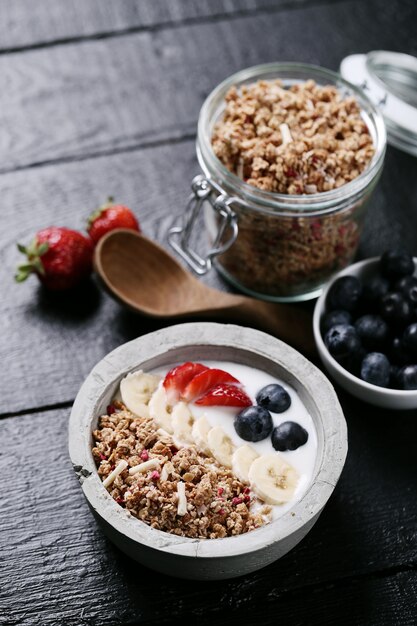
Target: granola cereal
x=301 y=140
x=214 y=503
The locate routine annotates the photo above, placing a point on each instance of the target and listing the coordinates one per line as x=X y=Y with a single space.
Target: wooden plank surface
x=68 y=20
x=95 y=97
x=61 y=569
x=54 y=341
x=102 y=97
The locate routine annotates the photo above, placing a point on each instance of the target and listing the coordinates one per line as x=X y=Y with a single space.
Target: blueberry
x=405 y=283
x=409 y=340
x=289 y=436
x=335 y=317
x=253 y=423
x=342 y=342
x=397 y=352
x=354 y=363
x=344 y=294
x=411 y=295
x=408 y=377
x=394 y=377
x=376 y=369
x=274 y=398
x=373 y=331
x=396 y=264
x=395 y=309
x=375 y=289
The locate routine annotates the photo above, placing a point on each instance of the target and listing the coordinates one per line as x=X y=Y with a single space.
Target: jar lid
x=389 y=79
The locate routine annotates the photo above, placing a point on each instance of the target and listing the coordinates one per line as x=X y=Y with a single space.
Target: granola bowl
x=194 y=557
x=290 y=155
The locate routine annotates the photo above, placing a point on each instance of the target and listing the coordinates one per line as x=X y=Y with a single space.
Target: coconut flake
x=285 y=133
x=163 y=433
x=239 y=169
x=114 y=474
x=167 y=469
x=144 y=467
x=182 y=499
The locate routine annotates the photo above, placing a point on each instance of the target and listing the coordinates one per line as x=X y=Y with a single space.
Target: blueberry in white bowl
x=396 y=264
x=374 y=356
x=372 y=331
x=333 y=318
x=376 y=369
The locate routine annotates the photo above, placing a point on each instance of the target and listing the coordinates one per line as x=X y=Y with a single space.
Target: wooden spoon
x=142 y=275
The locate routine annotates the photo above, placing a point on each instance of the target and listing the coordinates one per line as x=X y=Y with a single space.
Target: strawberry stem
x=34 y=265
x=97 y=212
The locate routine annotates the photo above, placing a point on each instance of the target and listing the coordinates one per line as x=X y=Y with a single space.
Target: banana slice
x=160 y=410
x=182 y=424
x=200 y=431
x=242 y=460
x=272 y=479
x=136 y=390
x=221 y=446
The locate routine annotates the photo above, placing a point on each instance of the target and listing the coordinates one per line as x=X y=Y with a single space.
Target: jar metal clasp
x=205 y=190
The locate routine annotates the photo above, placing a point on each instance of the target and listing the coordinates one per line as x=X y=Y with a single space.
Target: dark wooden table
x=101 y=97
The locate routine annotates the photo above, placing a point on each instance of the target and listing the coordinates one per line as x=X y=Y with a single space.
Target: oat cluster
x=301 y=140
x=217 y=503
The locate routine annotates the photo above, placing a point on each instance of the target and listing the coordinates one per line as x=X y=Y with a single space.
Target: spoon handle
x=285 y=321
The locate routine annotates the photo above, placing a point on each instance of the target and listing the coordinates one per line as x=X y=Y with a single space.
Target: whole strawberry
x=108 y=217
x=60 y=257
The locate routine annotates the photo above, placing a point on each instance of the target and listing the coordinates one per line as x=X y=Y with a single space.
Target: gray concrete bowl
x=208 y=559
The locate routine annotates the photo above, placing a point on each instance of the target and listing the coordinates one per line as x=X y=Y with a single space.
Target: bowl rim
x=129 y=356
x=319 y=310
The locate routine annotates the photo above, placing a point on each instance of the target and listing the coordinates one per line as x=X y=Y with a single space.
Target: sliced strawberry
x=201 y=383
x=178 y=378
x=225 y=395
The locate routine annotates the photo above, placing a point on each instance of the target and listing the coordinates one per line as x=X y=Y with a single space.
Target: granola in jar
x=290 y=155
x=302 y=140
x=305 y=139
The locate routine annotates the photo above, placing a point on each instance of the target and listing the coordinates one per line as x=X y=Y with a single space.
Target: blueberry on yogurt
x=289 y=436
x=253 y=423
x=274 y=398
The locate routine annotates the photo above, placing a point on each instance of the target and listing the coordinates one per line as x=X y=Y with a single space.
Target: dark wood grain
x=68 y=20
x=364 y=543
x=97 y=97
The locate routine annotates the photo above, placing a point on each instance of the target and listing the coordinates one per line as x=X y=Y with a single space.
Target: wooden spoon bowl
x=143 y=276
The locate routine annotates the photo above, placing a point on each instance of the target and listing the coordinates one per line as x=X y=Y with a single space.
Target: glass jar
x=279 y=247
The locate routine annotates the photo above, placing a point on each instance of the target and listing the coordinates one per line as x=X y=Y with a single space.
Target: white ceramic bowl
x=208 y=558
x=380 y=396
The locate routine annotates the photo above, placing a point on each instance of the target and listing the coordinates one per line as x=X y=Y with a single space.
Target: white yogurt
x=253 y=380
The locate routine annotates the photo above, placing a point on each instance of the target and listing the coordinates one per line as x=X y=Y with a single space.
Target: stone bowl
x=208 y=559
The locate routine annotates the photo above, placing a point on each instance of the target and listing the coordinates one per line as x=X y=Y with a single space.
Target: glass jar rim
x=326 y=200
